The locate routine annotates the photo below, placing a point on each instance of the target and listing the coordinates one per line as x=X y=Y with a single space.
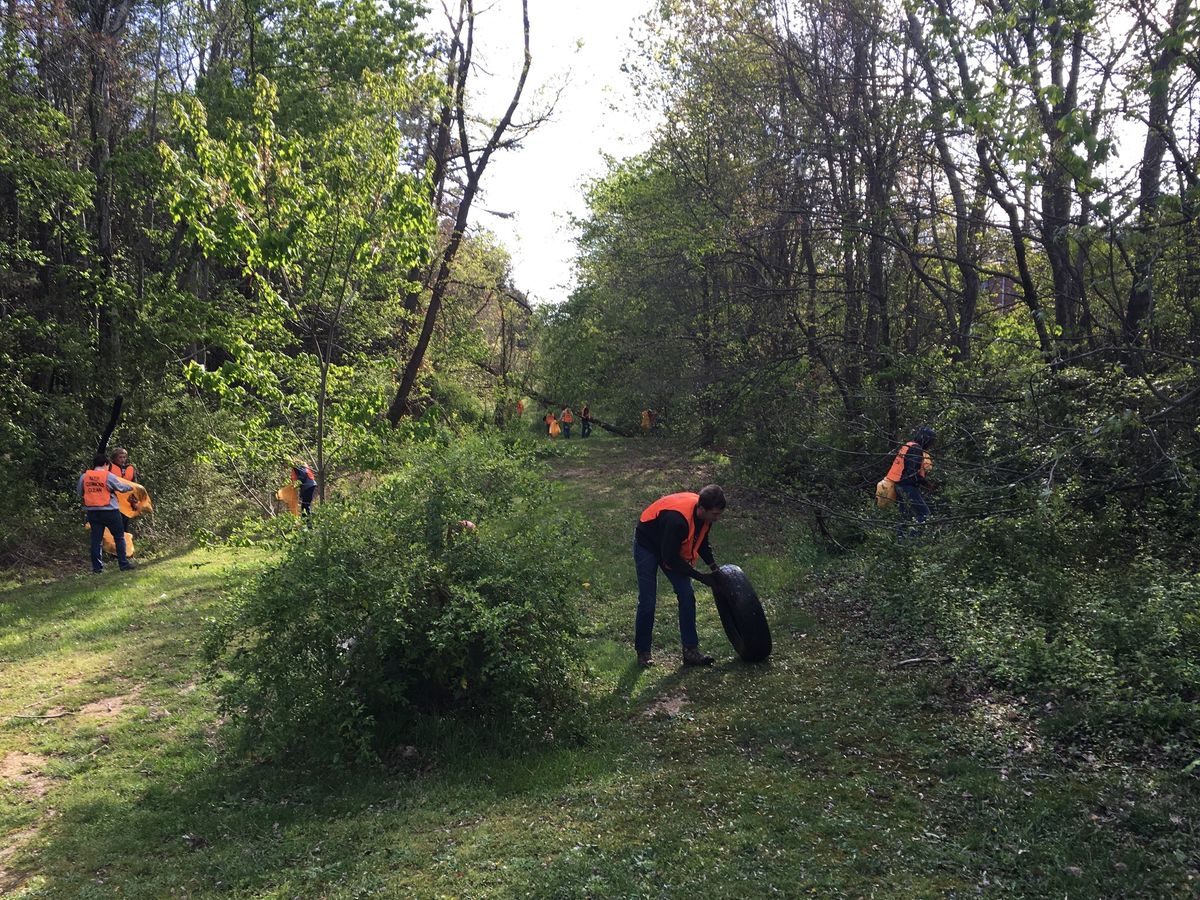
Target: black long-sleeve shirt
x=664 y=535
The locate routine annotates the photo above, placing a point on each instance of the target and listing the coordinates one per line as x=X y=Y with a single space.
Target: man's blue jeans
x=100 y=519
x=912 y=505
x=647 y=566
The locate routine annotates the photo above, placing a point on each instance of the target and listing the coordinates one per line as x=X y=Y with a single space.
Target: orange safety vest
x=684 y=503
x=96 y=494
x=567 y=417
x=896 y=472
x=126 y=473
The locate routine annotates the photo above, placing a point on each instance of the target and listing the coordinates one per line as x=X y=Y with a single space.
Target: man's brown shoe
x=645 y=660
x=693 y=657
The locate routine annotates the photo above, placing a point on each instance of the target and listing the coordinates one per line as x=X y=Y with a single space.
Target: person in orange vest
x=567 y=418
x=908 y=472
x=549 y=420
x=120 y=466
x=520 y=408
x=645 y=421
x=303 y=473
x=585 y=421
x=671 y=534
x=98 y=486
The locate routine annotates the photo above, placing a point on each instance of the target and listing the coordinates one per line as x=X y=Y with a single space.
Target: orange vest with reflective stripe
x=685 y=504
x=126 y=473
x=96 y=494
x=567 y=417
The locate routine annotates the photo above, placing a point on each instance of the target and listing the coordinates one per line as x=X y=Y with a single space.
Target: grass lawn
x=824 y=772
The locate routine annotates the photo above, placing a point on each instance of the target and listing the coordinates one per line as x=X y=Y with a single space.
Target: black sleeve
x=706 y=553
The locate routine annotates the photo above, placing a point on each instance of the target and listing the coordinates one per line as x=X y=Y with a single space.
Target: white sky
x=584 y=44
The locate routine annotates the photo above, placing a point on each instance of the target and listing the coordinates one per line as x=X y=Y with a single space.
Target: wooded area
x=253 y=219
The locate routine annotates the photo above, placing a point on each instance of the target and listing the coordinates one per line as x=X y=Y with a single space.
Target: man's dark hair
x=99 y=460
x=712 y=497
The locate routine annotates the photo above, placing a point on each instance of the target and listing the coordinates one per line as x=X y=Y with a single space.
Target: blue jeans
x=100 y=519
x=566 y=427
x=912 y=505
x=646 y=564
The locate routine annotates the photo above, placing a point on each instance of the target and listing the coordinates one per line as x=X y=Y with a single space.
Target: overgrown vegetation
x=449 y=592
x=845 y=229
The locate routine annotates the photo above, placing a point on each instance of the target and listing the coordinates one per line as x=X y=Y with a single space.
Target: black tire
x=742 y=614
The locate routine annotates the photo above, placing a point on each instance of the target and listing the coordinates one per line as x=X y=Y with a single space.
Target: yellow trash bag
x=555 y=430
x=110 y=546
x=885 y=493
x=289 y=495
x=125 y=500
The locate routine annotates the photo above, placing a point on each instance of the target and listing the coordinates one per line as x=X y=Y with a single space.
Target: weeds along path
x=824 y=772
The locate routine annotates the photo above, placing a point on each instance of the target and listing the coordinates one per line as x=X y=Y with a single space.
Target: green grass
x=822 y=773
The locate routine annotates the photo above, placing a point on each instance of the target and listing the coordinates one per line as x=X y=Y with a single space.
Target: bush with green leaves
x=1091 y=610
x=390 y=614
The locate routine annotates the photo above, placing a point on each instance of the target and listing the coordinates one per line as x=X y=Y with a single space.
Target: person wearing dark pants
x=99 y=487
x=585 y=419
x=122 y=468
x=909 y=470
x=304 y=474
x=671 y=534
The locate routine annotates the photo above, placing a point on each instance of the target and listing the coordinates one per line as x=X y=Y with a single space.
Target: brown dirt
x=109 y=707
x=668 y=706
x=11 y=880
x=23 y=770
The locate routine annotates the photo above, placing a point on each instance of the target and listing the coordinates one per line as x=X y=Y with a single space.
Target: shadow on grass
x=205 y=826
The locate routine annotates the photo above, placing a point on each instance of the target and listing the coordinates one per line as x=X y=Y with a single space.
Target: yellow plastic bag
x=289 y=495
x=125 y=498
x=110 y=546
x=555 y=430
x=885 y=493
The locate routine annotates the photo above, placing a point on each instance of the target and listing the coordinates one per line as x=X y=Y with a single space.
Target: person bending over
x=671 y=534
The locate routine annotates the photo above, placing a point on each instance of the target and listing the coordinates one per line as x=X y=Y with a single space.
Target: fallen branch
x=51 y=716
x=920 y=659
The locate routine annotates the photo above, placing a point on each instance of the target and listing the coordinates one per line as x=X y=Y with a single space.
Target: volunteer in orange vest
x=672 y=533
x=119 y=465
x=303 y=473
x=908 y=472
x=567 y=418
x=98 y=487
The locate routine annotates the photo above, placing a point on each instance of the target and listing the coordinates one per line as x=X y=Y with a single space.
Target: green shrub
x=1080 y=607
x=389 y=614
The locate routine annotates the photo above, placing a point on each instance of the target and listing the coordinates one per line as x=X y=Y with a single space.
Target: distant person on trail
x=520 y=409
x=97 y=487
x=548 y=418
x=909 y=473
x=303 y=473
x=585 y=418
x=645 y=421
x=567 y=418
x=119 y=465
x=672 y=533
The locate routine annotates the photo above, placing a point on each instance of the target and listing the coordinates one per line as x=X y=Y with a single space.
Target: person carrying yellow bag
x=906 y=477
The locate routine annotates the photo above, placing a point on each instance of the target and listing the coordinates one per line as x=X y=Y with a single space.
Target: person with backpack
x=671 y=534
x=909 y=473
